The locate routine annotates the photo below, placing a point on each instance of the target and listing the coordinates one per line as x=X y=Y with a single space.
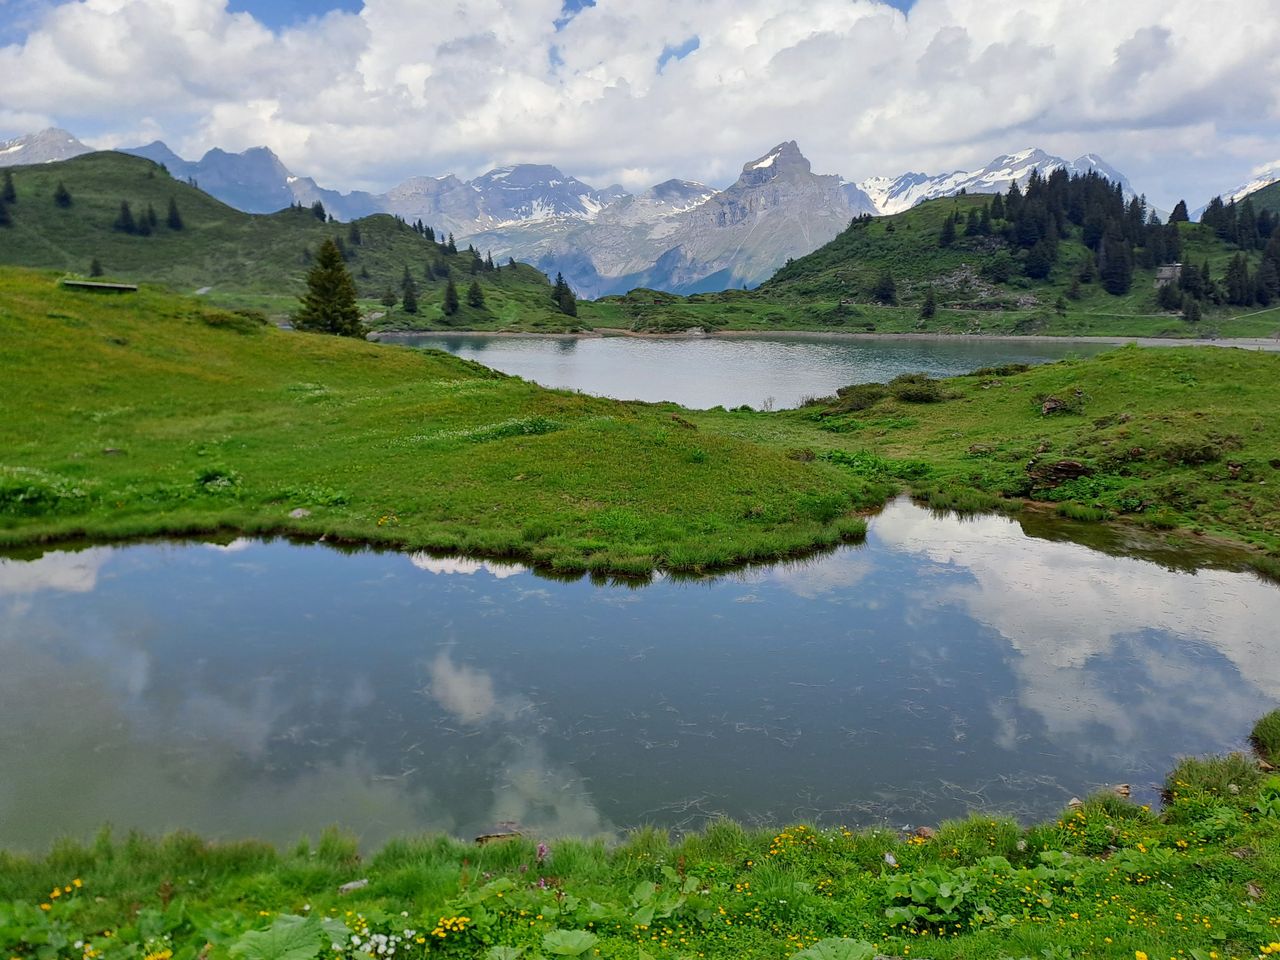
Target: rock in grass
x=301 y=513
x=353 y=886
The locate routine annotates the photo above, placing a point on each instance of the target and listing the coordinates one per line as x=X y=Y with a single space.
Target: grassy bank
x=1199 y=879
x=153 y=414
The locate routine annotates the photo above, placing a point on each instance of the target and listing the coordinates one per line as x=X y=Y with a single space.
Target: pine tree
x=475 y=296
x=450 y=299
x=124 y=220
x=317 y=211
x=1116 y=267
x=389 y=299
x=353 y=235
x=567 y=302
x=1179 y=214
x=5 y=219
x=95 y=267
x=450 y=245
x=62 y=196
x=973 y=224
x=1239 y=288
x=929 y=309
x=1191 y=309
x=7 y=192
x=1038 y=263
x=409 y=292
x=174 y=219
x=948 y=235
x=997 y=207
x=427 y=273
x=329 y=305
x=886 y=289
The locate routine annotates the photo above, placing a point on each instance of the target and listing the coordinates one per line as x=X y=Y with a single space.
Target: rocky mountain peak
x=783 y=159
x=43 y=147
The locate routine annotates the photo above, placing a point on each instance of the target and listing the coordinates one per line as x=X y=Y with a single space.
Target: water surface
x=271 y=689
x=776 y=372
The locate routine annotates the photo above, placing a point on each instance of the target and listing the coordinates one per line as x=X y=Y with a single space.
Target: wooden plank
x=98 y=285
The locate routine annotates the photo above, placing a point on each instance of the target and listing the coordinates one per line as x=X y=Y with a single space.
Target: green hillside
x=984 y=280
x=150 y=413
x=246 y=259
x=1268 y=198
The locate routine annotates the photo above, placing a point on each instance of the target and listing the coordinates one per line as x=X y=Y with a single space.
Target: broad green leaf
x=643 y=917
x=837 y=948
x=288 y=938
x=643 y=892
x=568 y=943
x=504 y=953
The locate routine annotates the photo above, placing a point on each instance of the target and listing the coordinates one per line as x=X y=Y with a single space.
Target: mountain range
x=679 y=235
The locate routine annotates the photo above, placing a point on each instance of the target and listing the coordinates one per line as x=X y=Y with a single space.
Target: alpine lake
x=274 y=688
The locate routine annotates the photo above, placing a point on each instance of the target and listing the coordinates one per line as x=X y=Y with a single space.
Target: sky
x=1183 y=96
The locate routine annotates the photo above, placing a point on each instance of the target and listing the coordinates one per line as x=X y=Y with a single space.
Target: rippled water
x=271 y=689
x=778 y=372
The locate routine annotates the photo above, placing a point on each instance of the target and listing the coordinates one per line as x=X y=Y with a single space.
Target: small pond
x=774 y=372
x=271 y=688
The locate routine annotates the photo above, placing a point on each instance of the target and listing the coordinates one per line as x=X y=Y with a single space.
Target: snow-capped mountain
x=895 y=194
x=1254 y=185
x=687 y=237
x=43 y=147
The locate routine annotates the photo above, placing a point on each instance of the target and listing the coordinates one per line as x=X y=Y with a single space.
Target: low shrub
x=1266 y=737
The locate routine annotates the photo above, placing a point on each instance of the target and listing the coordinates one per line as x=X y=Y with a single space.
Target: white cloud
x=406 y=87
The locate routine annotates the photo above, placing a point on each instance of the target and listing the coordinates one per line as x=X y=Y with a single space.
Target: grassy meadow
x=151 y=414
x=133 y=415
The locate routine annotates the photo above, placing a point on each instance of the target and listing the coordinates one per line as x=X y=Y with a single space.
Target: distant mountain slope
x=43 y=147
x=895 y=194
x=1268 y=197
x=255 y=181
x=685 y=237
x=227 y=251
x=1252 y=189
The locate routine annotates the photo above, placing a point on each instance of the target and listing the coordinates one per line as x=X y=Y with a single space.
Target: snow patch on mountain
x=47 y=146
x=895 y=194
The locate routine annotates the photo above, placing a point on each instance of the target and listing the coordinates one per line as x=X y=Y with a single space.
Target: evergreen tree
x=973 y=224
x=152 y=220
x=317 y=211
x=1239 y=289
x=1179 y=214
x=329 y=305
x=174 y=217
x=409 y=292
x=488 y=261
x=427 y=273
x=568 y=303
x=62 y=196
x=353 y=235
x=388 y=299
x=450 y=245
x=886 y=289
x=1073 y=291
x=5 y=219
x=124 y=220
x=144 y=225
x=450 y=299
x=1038 y=263
x=929 y=309
x=997 y=207
x=475 y=296
x=1115 y=267
x=1191 y=309
x=95 y=267
x=948 y=235
x=429 y=233
x=558 y=288
x=7 y=192
x=1169 y=297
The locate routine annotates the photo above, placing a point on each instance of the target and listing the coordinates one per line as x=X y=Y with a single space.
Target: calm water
x=779 y=371
x=271 y=689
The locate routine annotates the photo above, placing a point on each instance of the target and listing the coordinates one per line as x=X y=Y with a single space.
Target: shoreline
x=1264 y=344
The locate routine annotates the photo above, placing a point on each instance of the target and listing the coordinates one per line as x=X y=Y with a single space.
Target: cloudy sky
x=1181 y=95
